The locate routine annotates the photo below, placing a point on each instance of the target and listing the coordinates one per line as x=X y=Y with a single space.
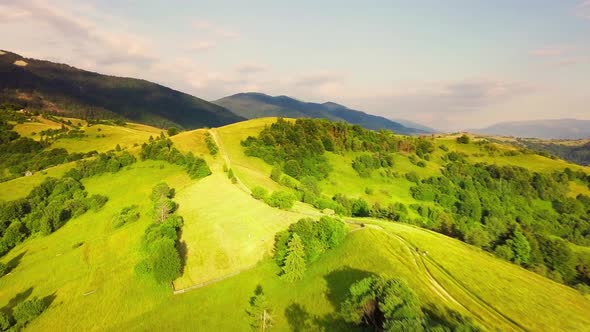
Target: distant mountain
x=412 y=124
x=547 y=129
x=258 y=105
x=70 y=91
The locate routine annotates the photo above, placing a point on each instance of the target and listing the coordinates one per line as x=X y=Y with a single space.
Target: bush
x=97 y=201
x=128 y=214
x=259 y=193
x=463 y=139
x=29 y=310
x=281 y=199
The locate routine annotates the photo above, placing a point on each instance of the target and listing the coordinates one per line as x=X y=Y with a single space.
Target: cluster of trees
x=109 y=162
x=55 y=201
x=48 y=207
x=161 y=148
x=127 y=215
x=20 y=154
x=213 y=148
x=519 y=215
x=24 y=312
x=389 y=304
x=160 y=243
x=63 y=132
x=279 y=199
x=367 y=163
x=298 y=147
x=304 y=242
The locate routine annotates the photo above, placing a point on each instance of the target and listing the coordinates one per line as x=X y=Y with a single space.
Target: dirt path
x=227 y=161
x=439 y=289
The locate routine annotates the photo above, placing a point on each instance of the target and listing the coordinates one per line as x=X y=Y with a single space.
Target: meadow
x=86 y=268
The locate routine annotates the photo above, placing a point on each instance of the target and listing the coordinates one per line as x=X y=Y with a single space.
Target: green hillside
x=87 y=272
x=65 y=90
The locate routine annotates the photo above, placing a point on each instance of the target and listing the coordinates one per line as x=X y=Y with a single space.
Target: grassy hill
x=228 y=237
x=37 y=84
x=258 y=105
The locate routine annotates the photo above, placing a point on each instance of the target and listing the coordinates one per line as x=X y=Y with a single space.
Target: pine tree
x=259 y=311
x=294 y=267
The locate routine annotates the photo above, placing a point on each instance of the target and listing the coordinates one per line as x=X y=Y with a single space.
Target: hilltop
x=65 y=90
x=396 y=221
x=258 y=105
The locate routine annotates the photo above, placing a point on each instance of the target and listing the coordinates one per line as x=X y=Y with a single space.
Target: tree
x=383 y=304
x=165 y=261
x=463 y=139
x=5 y=321
x=172 y=131
x=160 y=191
x=294 y=268
x=520 y=247
x=163 y=208
x=276 y=173
x=259 y=311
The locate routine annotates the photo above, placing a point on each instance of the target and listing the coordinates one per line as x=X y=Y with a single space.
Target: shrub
x=259 y=193
x=281 y=199
x=128 y=214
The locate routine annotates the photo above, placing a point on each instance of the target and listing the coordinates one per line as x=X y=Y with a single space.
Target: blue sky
x=452 y=64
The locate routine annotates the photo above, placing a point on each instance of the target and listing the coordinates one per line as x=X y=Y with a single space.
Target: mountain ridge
x=565 y=128
x=77 y=92
x=257 y=105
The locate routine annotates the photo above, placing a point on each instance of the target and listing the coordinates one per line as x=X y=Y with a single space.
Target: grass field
x=93 y=286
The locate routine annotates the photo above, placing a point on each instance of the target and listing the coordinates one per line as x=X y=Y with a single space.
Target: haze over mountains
x=546 y=129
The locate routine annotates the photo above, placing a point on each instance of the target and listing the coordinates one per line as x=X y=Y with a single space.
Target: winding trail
x=438 y=288
x=225 y=157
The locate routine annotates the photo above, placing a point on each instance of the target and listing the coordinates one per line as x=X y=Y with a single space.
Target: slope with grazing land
x=227 y=235
x=62 y=89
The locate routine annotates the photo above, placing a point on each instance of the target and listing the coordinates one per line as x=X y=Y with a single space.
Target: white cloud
x=582 y=10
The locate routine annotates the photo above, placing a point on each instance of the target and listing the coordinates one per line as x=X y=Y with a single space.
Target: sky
x=454 y=64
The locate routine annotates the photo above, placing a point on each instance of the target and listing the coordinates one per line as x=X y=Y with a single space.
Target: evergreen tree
x=259 y=311
x=294 y=267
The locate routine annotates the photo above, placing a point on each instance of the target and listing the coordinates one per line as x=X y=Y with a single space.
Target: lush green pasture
x=532 y=301
x=225 y=229
x=21 y=187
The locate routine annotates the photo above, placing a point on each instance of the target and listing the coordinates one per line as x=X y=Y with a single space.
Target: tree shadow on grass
x=13 y=263
x=339 y=282
x=16 y=300
x=183 y=253
x=49 y=299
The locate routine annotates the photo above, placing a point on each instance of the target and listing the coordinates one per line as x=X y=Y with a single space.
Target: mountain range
x=258 y=105
x=546 y=129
